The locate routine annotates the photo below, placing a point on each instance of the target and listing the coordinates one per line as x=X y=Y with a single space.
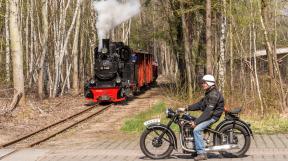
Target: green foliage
x=135 y=124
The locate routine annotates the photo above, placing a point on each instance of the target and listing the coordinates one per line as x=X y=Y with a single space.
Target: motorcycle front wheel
x=240 y=137
x=156 y=143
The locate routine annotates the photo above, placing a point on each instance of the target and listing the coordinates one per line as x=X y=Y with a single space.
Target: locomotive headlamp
x=118 y=80
x=104 y=50
x=92 y=81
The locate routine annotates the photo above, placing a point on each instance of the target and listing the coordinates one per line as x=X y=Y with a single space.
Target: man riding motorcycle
x=212 y=106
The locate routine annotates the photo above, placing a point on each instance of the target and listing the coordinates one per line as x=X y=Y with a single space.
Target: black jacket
x=212 y=105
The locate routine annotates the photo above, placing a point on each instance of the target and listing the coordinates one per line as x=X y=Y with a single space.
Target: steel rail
x=55 y=133
x=45 y=128
x=68 y=127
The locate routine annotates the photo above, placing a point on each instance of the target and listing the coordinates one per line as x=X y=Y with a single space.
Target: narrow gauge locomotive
x=119 y=72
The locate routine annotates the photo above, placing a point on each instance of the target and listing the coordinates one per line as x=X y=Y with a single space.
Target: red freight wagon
x=145 y=69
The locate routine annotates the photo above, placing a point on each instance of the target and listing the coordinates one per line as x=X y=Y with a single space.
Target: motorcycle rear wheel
x=240 y=130
x=156 y=142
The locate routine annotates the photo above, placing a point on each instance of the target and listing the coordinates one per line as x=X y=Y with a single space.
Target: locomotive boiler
x=119 y=72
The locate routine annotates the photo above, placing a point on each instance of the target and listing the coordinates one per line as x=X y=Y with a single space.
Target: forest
x=47 y=48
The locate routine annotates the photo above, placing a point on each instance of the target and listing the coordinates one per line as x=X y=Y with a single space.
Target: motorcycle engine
x=187 y=133
x=188 y=140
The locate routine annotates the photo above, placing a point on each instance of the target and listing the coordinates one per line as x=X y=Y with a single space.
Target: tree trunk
x=81 y=59
x=7 y=43
x=231 y=64
x=16 y=49
x=75 y=53
x=45 y=48
x=263 y=20
x=209 y=69
x=187 y=53
x=32 y=41
x=222 y=62
x=255 y=72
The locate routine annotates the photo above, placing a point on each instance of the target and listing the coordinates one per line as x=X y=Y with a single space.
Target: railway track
x=50 y=131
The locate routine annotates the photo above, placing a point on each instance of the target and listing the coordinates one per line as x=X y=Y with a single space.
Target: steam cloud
x=111 y=13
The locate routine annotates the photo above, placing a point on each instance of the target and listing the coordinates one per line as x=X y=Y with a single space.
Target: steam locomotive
x=119 y=72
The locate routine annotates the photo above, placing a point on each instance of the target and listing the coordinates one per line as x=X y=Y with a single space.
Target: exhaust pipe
x=222 y=147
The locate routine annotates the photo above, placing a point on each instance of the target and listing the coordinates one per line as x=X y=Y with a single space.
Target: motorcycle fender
x=247 y=126
x=238 y=122
x=168 y=130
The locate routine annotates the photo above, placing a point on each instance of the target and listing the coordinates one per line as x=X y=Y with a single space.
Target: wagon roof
x=278 y=51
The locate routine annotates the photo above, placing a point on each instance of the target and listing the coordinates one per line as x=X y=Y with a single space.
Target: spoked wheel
x=156 y=143
x=236 y=135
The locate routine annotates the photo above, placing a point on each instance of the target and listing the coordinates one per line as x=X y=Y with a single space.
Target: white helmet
x=209 y=79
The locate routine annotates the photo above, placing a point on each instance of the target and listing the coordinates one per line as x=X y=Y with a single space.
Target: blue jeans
x=197 y=132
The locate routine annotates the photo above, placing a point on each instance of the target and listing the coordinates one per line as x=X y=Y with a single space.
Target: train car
x=119 y=72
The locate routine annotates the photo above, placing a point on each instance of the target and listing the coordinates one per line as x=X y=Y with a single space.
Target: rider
x=212 y=106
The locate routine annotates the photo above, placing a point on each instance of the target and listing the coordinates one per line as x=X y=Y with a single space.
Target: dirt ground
x=108 y=124
x=38 y=114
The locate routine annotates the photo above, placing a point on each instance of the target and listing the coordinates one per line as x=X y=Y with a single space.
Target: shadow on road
x=188 y=156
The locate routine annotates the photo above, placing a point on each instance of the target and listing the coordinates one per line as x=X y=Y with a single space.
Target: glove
x=192 y=123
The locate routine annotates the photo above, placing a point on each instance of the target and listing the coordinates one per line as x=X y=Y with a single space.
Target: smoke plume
x=111 y=13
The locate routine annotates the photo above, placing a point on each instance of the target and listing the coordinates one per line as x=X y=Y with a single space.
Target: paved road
x=126 y=148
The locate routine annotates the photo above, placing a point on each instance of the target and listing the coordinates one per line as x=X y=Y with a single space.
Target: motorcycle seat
x=235 y=110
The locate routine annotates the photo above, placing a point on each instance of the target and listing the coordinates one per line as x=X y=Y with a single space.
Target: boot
x=201 y=157
x=194 y=154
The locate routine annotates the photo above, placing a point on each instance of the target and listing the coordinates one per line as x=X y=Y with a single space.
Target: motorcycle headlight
x=170 y=113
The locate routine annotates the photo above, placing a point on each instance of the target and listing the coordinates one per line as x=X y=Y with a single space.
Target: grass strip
x=135 y=124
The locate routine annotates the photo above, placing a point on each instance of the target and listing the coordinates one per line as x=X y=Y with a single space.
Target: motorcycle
x=231 y=137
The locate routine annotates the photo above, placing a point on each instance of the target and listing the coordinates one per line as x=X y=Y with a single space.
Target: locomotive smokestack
x=106 y=43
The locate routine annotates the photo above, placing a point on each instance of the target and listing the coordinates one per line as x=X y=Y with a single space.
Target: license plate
x=152 y=122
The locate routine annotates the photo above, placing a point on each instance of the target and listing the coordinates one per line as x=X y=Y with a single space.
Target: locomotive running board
x=222 y=147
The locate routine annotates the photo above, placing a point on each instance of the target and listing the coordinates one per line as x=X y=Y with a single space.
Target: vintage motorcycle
x=231 y=137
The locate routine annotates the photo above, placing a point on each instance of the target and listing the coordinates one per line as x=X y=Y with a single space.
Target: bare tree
x=44 y=48
x=231 y=64
x=7 y=43
x=263 y=20
x=209 y=65
x=257 y=84
x=16 y=49
x=222 y=62
x=75 y=55
x=187 y=52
